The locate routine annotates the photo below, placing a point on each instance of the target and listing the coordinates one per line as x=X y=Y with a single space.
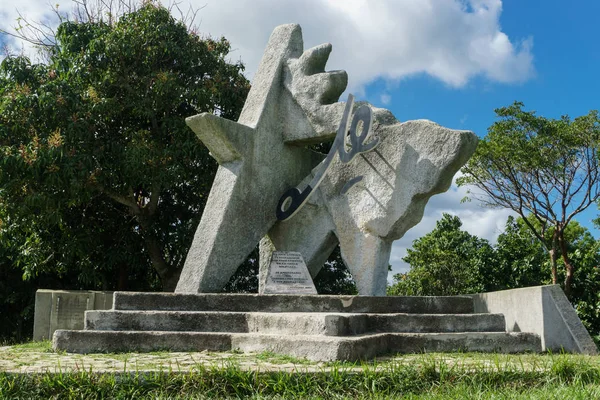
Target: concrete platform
x=320 y=328
x=298 y=323
x=312 y=347
x=292 y=303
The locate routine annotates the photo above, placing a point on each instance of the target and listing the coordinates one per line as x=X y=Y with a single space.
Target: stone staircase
x=316 y=327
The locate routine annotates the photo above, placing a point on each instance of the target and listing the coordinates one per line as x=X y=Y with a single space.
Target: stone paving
x=31 y=361
x=39 y=357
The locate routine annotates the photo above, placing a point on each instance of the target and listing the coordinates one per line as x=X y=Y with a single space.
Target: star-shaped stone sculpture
x=261 y=155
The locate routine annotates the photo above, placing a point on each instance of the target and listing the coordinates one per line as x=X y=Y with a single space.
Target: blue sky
x=450 y=61
x=566 y=61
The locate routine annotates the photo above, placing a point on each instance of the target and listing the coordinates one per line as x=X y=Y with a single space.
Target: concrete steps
x=292 y=303
x=315 y=327
x=313 y=347
x=328 y=324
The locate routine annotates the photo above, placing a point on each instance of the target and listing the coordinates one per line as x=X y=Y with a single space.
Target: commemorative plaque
x=288 y=274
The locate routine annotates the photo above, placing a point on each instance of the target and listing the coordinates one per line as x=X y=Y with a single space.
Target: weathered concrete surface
x=180 y=321
x=315 y=327
x=256 y=166
x=413 y=161
x=292 y=103
x=317 y=348
x=64 y=309
x=292 y=303
x=296 y=323
x=124 y=341
x=544 y=310
x=431 y=323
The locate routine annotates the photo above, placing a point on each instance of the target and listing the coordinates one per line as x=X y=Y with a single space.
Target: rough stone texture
x=180 y=321
x=278 y=303
x=64 y=309
x=435 y=323
x=311 y=326
x=126 y=341
x=256 y=167
x=544 y=310
x=297 y=323
x=292 y=103
x=312 y=347
x=413 y=161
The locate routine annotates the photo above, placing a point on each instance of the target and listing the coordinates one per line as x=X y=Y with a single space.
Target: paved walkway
x=36 y=357
x=29 y=361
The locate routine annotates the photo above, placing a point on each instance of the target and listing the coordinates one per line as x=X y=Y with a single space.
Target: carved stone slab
x=288 y=274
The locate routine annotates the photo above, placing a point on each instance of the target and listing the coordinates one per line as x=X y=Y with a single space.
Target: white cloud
x=385 y=98
x=451 y=40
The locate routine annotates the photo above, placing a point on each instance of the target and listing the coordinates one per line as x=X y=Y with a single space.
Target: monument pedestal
x=322 y=328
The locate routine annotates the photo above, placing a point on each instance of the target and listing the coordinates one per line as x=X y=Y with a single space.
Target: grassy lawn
x=268 y=375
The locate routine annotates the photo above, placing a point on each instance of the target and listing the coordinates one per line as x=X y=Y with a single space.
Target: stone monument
x=367 y=192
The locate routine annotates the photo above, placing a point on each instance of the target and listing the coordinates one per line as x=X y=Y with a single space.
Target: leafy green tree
x=521 y=259
x=446 y=261
x=450 y=261
x=99 y=171
x=334 y=277
x=543 y=169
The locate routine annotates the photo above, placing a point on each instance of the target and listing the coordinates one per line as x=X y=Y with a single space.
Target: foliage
x=95 y=152
x=334 y=277
x=446 y=261
x=520 y=259
x=539 y=167
x=451 y=261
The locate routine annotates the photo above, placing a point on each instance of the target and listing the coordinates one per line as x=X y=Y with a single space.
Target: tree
x=334 y=277
x=544 y=168
x=99 y=170
x=520 y=257
x=446 y=261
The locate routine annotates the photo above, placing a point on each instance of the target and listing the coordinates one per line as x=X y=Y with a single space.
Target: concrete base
x=543 y=310
x=316 y=327
x=302 y=323
x=312 y=347
x=282 y=303
x=64 y=309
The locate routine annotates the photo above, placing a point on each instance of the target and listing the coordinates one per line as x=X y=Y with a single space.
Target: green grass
x=429 y=376
x=43 y=346
x=275 y=358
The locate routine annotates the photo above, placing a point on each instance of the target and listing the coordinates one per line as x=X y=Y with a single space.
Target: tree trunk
x=168 y=276
x=552 y=253
x=122 y=282
x=570 y=268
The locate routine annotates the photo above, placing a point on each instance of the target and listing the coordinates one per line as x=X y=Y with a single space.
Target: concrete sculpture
x=369 y=190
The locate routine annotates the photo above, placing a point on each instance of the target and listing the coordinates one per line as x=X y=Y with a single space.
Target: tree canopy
x=449 y=261
x=94 y=148
x=446 y=261
x=543 y=168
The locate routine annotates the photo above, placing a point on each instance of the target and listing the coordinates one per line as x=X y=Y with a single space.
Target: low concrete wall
x=544 y=310
x=65 y=309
